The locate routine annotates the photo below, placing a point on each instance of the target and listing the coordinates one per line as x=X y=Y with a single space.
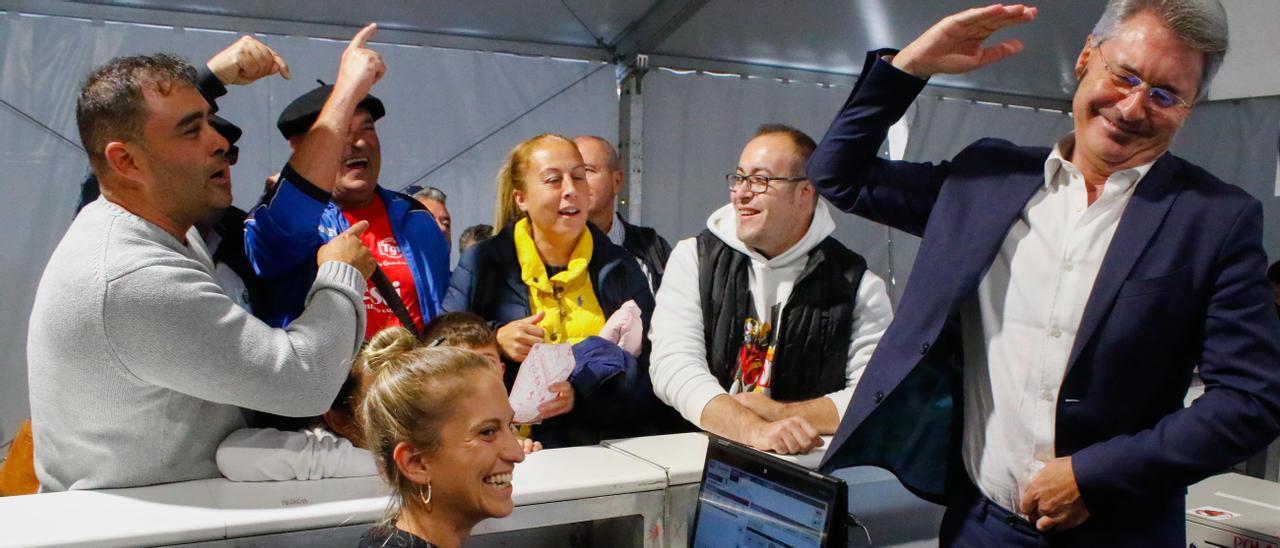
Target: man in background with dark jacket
x=605 y=179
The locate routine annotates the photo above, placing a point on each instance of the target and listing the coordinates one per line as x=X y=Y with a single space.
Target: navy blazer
x=1182 y=284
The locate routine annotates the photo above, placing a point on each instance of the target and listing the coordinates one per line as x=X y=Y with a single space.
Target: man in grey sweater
x=139 y=365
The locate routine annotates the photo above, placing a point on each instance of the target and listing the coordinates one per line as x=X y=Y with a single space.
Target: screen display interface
x=739 y=508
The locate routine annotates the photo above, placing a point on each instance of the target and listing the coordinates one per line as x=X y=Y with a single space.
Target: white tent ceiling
x=813 y=40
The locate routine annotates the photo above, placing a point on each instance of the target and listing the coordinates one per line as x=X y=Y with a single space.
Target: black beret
x=228 y=130
x=298 y=117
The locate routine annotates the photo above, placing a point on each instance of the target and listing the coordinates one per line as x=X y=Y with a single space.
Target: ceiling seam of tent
x=599 y=41
x=935 y=91
x=505 y=125
x=330 y=31
x=42 y=125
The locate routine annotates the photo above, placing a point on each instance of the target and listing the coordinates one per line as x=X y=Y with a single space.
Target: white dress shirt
x=1019 y=328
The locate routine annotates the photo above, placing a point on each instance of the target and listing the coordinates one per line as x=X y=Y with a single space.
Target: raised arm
x=243 y=62
x=845 y=167
x=209 y=348
x=267 y=454
x=282 y=230
x=954 y=44
x=319 y=155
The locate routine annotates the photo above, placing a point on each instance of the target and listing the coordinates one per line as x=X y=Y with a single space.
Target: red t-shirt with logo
x=381 y=242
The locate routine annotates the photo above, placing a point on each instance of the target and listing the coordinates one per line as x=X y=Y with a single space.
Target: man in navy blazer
x=1061 y=298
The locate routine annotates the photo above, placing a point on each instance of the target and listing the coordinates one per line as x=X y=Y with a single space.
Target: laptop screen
x=751 y=499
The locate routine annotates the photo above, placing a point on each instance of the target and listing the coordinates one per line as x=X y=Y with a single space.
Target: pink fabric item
x=625 y=328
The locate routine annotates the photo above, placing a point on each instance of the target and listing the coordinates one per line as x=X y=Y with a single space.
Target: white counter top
x=582 y=472
x=259 y=508
x=683 y=455
x=162 y=514
x=215 y=509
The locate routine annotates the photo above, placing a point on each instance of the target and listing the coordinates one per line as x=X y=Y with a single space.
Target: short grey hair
x=430 y=193
x=610 y=153
x=1200 y=24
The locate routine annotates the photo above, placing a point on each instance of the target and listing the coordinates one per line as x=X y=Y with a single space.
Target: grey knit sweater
x=139 y=365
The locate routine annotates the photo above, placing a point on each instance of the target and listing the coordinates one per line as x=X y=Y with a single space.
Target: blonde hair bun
x=387 y=346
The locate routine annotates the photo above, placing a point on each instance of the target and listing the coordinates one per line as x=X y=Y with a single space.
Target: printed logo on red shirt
x=382 y=244
x=389 y=248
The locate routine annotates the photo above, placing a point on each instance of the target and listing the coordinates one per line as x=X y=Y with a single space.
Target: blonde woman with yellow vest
x=549 y=276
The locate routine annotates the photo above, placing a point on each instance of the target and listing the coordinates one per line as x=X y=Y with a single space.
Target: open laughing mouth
x=569 y=211
x=747 y=212
x=356 y=164
x=500 y=481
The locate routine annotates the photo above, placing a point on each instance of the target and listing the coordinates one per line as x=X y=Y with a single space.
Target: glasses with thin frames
x=757 y=184
x=1129 y=83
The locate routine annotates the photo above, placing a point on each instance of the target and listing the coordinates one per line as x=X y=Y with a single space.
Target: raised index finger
x=281 y=66
x=357 y=229
x=363 y=36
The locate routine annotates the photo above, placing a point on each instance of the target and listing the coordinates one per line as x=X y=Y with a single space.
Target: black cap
x=298 y=117
x=228 y=130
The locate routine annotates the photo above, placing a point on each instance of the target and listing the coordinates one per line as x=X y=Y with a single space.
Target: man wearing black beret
x=297 y=216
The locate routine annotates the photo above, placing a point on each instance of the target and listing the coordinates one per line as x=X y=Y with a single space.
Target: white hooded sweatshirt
x=678 y=363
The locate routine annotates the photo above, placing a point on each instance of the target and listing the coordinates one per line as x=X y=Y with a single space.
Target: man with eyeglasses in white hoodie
x=764 y=322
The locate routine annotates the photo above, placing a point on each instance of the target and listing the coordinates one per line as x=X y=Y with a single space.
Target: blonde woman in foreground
x=439 y=425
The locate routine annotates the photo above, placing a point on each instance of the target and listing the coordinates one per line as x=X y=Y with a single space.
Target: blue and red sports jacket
x=288 y=226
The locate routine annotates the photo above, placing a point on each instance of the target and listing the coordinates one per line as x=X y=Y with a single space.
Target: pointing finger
x=363 y=36
x=357 y=229
x=281 y=66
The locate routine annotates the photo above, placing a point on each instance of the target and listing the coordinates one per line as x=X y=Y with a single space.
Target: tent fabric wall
x=695 y=126
x=1237 y=141
x=439 y=103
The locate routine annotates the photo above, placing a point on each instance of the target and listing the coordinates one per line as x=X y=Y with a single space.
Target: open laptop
x=752 y=499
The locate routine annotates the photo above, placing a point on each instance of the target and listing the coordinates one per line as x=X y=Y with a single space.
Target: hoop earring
x=426 y=499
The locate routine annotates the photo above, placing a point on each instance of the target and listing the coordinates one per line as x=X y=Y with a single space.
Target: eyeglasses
x=232 y=155
x=1128 y=83
x=757 y=184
